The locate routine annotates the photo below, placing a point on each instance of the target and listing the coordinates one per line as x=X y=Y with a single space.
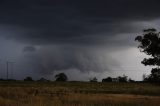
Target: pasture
x=78 y=94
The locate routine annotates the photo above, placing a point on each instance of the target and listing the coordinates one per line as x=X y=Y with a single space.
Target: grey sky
x=83 y=38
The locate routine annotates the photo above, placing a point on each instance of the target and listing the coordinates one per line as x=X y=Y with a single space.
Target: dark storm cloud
x=73 y=34
x=70 y=21
x=60 y=58
x=29 y=49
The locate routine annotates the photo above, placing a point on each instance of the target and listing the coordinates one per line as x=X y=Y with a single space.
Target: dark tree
x=108 y=79
x=149 y=43
x=123 y=78
x=93 y=79
x=28 y=79
x=61 y=77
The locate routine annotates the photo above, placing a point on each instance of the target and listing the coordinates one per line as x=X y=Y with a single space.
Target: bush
x=61 y=77
x=93 y=80
x=123 y=78
x=109 y=79
x=28 y=79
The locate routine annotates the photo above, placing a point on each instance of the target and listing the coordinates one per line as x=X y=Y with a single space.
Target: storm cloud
x=75 y=34
x=69 y=21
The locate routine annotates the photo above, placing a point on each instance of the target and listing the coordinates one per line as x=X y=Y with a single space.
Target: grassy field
x=78 y=94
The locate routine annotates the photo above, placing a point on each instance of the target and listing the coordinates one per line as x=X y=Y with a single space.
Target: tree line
x=62 y=77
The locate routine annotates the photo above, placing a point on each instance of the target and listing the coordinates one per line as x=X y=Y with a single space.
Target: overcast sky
x=82 y=38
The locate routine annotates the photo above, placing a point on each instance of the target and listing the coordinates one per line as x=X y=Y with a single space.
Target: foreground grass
x=78 y=94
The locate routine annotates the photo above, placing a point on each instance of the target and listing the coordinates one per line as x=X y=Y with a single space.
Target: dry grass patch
x=78 y=94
